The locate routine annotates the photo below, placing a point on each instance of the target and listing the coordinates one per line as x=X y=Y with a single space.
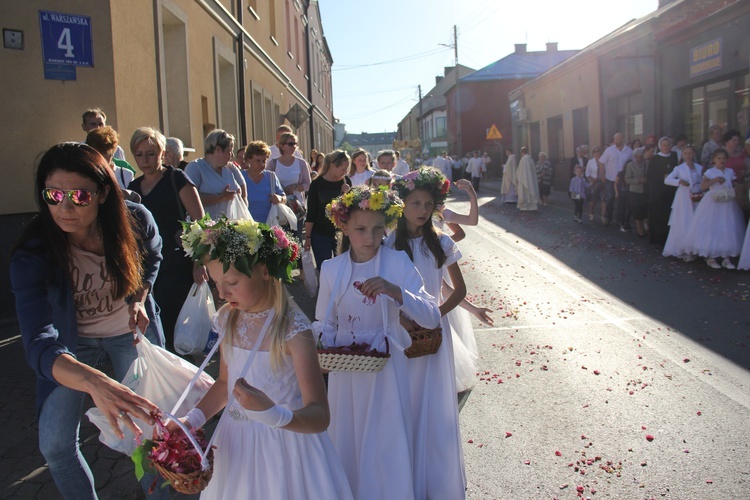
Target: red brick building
x=482 y=99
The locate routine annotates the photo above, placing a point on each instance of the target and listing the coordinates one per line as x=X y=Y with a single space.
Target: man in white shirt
x=275 y=153
x=443 y=164
x=95 y=118
x=475 y=168
x=401 y=168
x=614 y=159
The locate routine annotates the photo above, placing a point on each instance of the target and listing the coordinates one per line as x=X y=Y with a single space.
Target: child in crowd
x=438 y=455
x=718 y=226
x=361 y=294
x=577 y=190
x=271 y=441
x=380 y=178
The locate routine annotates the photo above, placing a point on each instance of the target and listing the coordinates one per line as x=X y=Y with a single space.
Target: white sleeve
x=673 y=179
x=417 y=303
x=452 y=253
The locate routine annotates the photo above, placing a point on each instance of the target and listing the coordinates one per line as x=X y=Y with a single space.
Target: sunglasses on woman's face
x=79 y=197
x=292 y=144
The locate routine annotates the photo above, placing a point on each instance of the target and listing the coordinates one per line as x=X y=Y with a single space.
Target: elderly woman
x=294 y=175
x=174 y=153
x=544 y=174
x=82 y=274
x=320 y=233
x=263 y=187
x=170 y=196
x=218 y=180
x=635 y=178
x=660 y=195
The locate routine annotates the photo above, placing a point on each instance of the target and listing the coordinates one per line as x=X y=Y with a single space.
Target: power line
x=369 y=113
x=392 y=61
x=382 y=91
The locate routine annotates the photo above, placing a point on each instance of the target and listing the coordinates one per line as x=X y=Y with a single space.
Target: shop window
x=742 y=103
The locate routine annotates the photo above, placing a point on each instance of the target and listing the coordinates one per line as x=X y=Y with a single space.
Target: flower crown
x=243 y=243
x=378 y=200
x=427 y=178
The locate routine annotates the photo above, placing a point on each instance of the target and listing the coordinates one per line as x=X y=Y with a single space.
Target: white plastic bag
x=193 y=327
x=281 y=215
x=311 y=276
x=161 y=377
x=237 y=209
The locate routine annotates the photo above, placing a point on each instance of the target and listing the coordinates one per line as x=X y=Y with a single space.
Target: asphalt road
x=610 y=372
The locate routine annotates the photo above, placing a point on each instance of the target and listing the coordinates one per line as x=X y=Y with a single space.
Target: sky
x=382 y=50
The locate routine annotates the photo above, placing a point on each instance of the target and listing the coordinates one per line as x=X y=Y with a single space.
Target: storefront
x=705 y=76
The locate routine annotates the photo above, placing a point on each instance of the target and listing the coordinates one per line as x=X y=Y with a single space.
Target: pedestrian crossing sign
x=494 y=133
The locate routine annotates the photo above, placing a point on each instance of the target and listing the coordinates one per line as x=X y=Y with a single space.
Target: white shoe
x=712 y=263
x=689 y=258
x=591 y=217
x=727 y=264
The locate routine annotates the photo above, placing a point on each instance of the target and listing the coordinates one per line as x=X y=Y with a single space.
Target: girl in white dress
x=718 y=224
x=687 y=178
x=271 y=441
x=438 y=455
x=361 y=293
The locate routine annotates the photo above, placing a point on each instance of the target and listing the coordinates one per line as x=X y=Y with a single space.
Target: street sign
x=66 y=39
x=494 y=133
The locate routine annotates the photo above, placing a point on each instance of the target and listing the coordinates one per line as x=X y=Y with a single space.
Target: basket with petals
x=353 y=358
x=722 y=195
x=179 y=457
x=424 y=341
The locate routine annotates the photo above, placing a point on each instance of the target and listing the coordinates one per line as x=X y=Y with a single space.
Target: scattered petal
x=649 y=437
x=508 y=434
x=558 y=453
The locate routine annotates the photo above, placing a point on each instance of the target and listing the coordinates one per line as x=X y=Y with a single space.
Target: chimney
x=447 y=69
x=438 y=79
x=551 y=46
x=520 y=48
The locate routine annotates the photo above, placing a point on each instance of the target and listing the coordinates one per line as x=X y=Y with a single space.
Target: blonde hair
x=277 y=296
x=334 y=158
x=154 y=137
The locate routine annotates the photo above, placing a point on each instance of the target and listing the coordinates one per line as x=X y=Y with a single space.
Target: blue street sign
x=59 y=72
x=66 y=38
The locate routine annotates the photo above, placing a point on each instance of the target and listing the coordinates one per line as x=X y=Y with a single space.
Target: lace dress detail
x=249 y=324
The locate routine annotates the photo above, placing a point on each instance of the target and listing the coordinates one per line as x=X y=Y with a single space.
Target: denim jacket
x=46 y=309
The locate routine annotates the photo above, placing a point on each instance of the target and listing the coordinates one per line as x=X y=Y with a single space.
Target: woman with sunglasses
x=170 y=196
x=82 y=274
x=218 y=179
x=320 y=233
x=294 y=175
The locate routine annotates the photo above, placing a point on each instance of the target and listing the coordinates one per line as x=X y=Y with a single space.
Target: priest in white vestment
x=508 y=192
x=527 y=183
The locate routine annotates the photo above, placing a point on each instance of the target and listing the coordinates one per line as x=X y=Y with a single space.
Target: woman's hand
x=720 y=180
x=307 y=243
x=137 y=317
x=407 y=324
x=120 y=405
x=684 y=183
x=251 y=398
x=199 y=274
x=345 y=188
x=275 y=199
x=227 y=194
x=483 y=314
x=172 y=426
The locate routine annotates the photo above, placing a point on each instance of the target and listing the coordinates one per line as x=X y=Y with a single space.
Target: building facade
x=480 y=101
x=185 y=67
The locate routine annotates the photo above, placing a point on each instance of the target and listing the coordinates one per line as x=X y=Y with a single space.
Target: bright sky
x=382 y=50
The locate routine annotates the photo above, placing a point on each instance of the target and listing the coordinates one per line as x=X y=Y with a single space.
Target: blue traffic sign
x=66 y=38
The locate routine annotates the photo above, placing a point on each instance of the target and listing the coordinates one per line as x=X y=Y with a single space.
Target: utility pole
x=459 y=143
x=419 y=120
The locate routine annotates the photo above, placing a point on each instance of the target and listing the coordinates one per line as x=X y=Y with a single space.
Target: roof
x=365 y=139
x=517 y=66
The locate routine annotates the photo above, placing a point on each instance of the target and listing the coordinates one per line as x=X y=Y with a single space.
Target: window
x=288 y=13
x=258 y=128
x=440 y=126
x=175 y=76
x=272 y=20
x=270 y=121
x=252 y=6
x=725 y=103
x=628 y=111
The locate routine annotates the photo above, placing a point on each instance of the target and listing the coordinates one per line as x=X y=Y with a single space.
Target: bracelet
x=195 y=418
x=276 y=416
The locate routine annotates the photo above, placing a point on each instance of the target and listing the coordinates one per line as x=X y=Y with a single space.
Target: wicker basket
x=346 y=362
x=424 y=342
x=191 y=483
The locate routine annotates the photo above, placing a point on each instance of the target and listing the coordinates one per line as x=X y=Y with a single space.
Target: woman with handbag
x=82 y=273
x=263 y=187
x=294 y=175
x=170 y=196
x=320 y=233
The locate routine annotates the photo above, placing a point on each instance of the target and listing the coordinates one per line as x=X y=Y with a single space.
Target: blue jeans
x=323 y=248
x=60 y=419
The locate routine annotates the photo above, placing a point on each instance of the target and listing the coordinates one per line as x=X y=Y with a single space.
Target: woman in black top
x=660 y=196
x=320 y=233
x=170 y=196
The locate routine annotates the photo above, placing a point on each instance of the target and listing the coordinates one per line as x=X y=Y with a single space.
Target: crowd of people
x=107 y=256
x=657 y=190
